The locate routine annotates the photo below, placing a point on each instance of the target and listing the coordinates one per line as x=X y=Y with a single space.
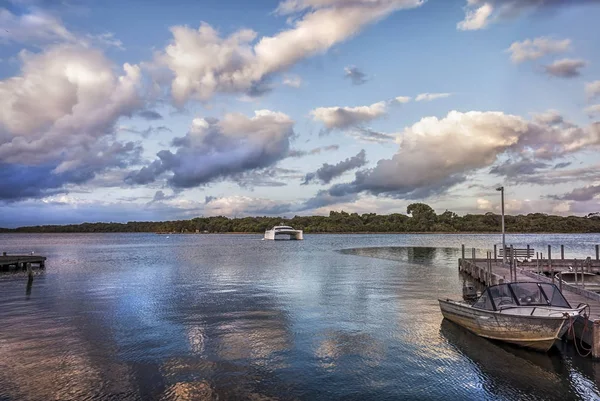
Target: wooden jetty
x=8 y=262
x=491 y=271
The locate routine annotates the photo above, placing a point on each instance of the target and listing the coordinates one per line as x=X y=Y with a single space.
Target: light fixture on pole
x=501 y=189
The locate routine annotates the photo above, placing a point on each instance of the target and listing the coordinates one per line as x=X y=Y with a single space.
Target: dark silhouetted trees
x=422 y=218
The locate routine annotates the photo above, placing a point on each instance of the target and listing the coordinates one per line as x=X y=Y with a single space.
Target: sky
x=148 y=110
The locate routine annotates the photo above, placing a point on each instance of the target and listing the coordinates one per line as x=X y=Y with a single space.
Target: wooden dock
x=491 y=271
x=16 y=262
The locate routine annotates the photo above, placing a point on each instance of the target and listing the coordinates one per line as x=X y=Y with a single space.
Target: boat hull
x=534 y=332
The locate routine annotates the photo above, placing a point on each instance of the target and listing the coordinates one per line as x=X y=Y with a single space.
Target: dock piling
x=560 y=281
x=495 y=253
x=550 y=260
x=463 y=251
x=562 y=252
x=597 y=252
x=511 y=263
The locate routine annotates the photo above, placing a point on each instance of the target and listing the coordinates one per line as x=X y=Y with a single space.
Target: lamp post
x=501 y=189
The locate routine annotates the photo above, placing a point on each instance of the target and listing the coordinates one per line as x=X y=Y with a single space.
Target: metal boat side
x=535 y=332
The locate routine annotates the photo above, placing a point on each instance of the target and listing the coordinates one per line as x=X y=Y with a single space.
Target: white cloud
x=345 y=117
x=436 y=154
x=565 y=68
x=592 y=89
x=35 y=27
x=204 y=63
x=65 y=101
x=477 y=18
x=484 y=204
x=529 y=49
x=402 y=99
x=106 y=39
x=293 y=81
x=593 y=110
x=38 y=27
x=480 y=13
x=427 y=97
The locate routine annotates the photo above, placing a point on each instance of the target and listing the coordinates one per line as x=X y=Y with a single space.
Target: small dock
x=491 y=271
x=19 y=262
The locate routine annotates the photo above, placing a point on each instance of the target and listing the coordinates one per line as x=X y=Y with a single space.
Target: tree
x=423 y=217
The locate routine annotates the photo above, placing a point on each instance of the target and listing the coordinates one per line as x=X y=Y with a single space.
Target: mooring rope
x=571 y=332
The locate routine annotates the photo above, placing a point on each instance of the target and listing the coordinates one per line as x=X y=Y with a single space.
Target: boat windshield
x=283 y=228
x=521 y=294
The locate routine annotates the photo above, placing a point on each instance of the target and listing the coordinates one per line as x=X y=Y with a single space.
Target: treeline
x=420 y=218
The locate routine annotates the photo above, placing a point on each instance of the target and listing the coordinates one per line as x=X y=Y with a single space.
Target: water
x=143 y=316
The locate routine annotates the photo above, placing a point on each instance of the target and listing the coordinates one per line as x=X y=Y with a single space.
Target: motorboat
x=287 y=231
x=586 y=280
x=528 y=314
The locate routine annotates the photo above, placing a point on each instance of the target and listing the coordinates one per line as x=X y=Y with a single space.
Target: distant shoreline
x=321 y=233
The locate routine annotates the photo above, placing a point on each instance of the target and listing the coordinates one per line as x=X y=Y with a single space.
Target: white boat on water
x=284 y=231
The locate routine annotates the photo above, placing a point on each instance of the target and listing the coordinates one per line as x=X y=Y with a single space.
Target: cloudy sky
x=148 y=110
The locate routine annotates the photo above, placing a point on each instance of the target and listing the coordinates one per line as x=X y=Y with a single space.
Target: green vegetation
x=422 y=219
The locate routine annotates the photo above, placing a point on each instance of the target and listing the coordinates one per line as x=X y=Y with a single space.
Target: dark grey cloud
x=583 y=194
x=556 y=176
x=301 y=153
x=160 y=196
x=514 y=169
x=221 y=149
x=365 y=182
x=565 y=68
x=328 y=172
x=324 y=198
x=145 y=133
x=150 y=115
x=369 y=135
x=268 y=177
x=355 y=75
x=562 y=165
x=18 y=182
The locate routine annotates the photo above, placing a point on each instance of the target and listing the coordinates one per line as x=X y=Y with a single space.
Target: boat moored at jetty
x=589 y=281
x=283 y=231
x=528 y=314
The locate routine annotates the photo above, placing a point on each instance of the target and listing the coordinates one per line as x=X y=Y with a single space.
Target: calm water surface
x=143 y=316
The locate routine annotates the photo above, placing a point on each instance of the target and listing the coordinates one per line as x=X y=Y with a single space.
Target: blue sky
x=117 y=111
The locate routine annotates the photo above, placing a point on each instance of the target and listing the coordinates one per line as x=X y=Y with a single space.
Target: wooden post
x=562 y=252
x=527 y=252
x=596 y=338
x=511 y=263
x=473 y=254
x=597 y=252
x=495 y=254
x=560 y=281
x=29 y=271
x=575 y=263
x=550 y=261
x=463 y=250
